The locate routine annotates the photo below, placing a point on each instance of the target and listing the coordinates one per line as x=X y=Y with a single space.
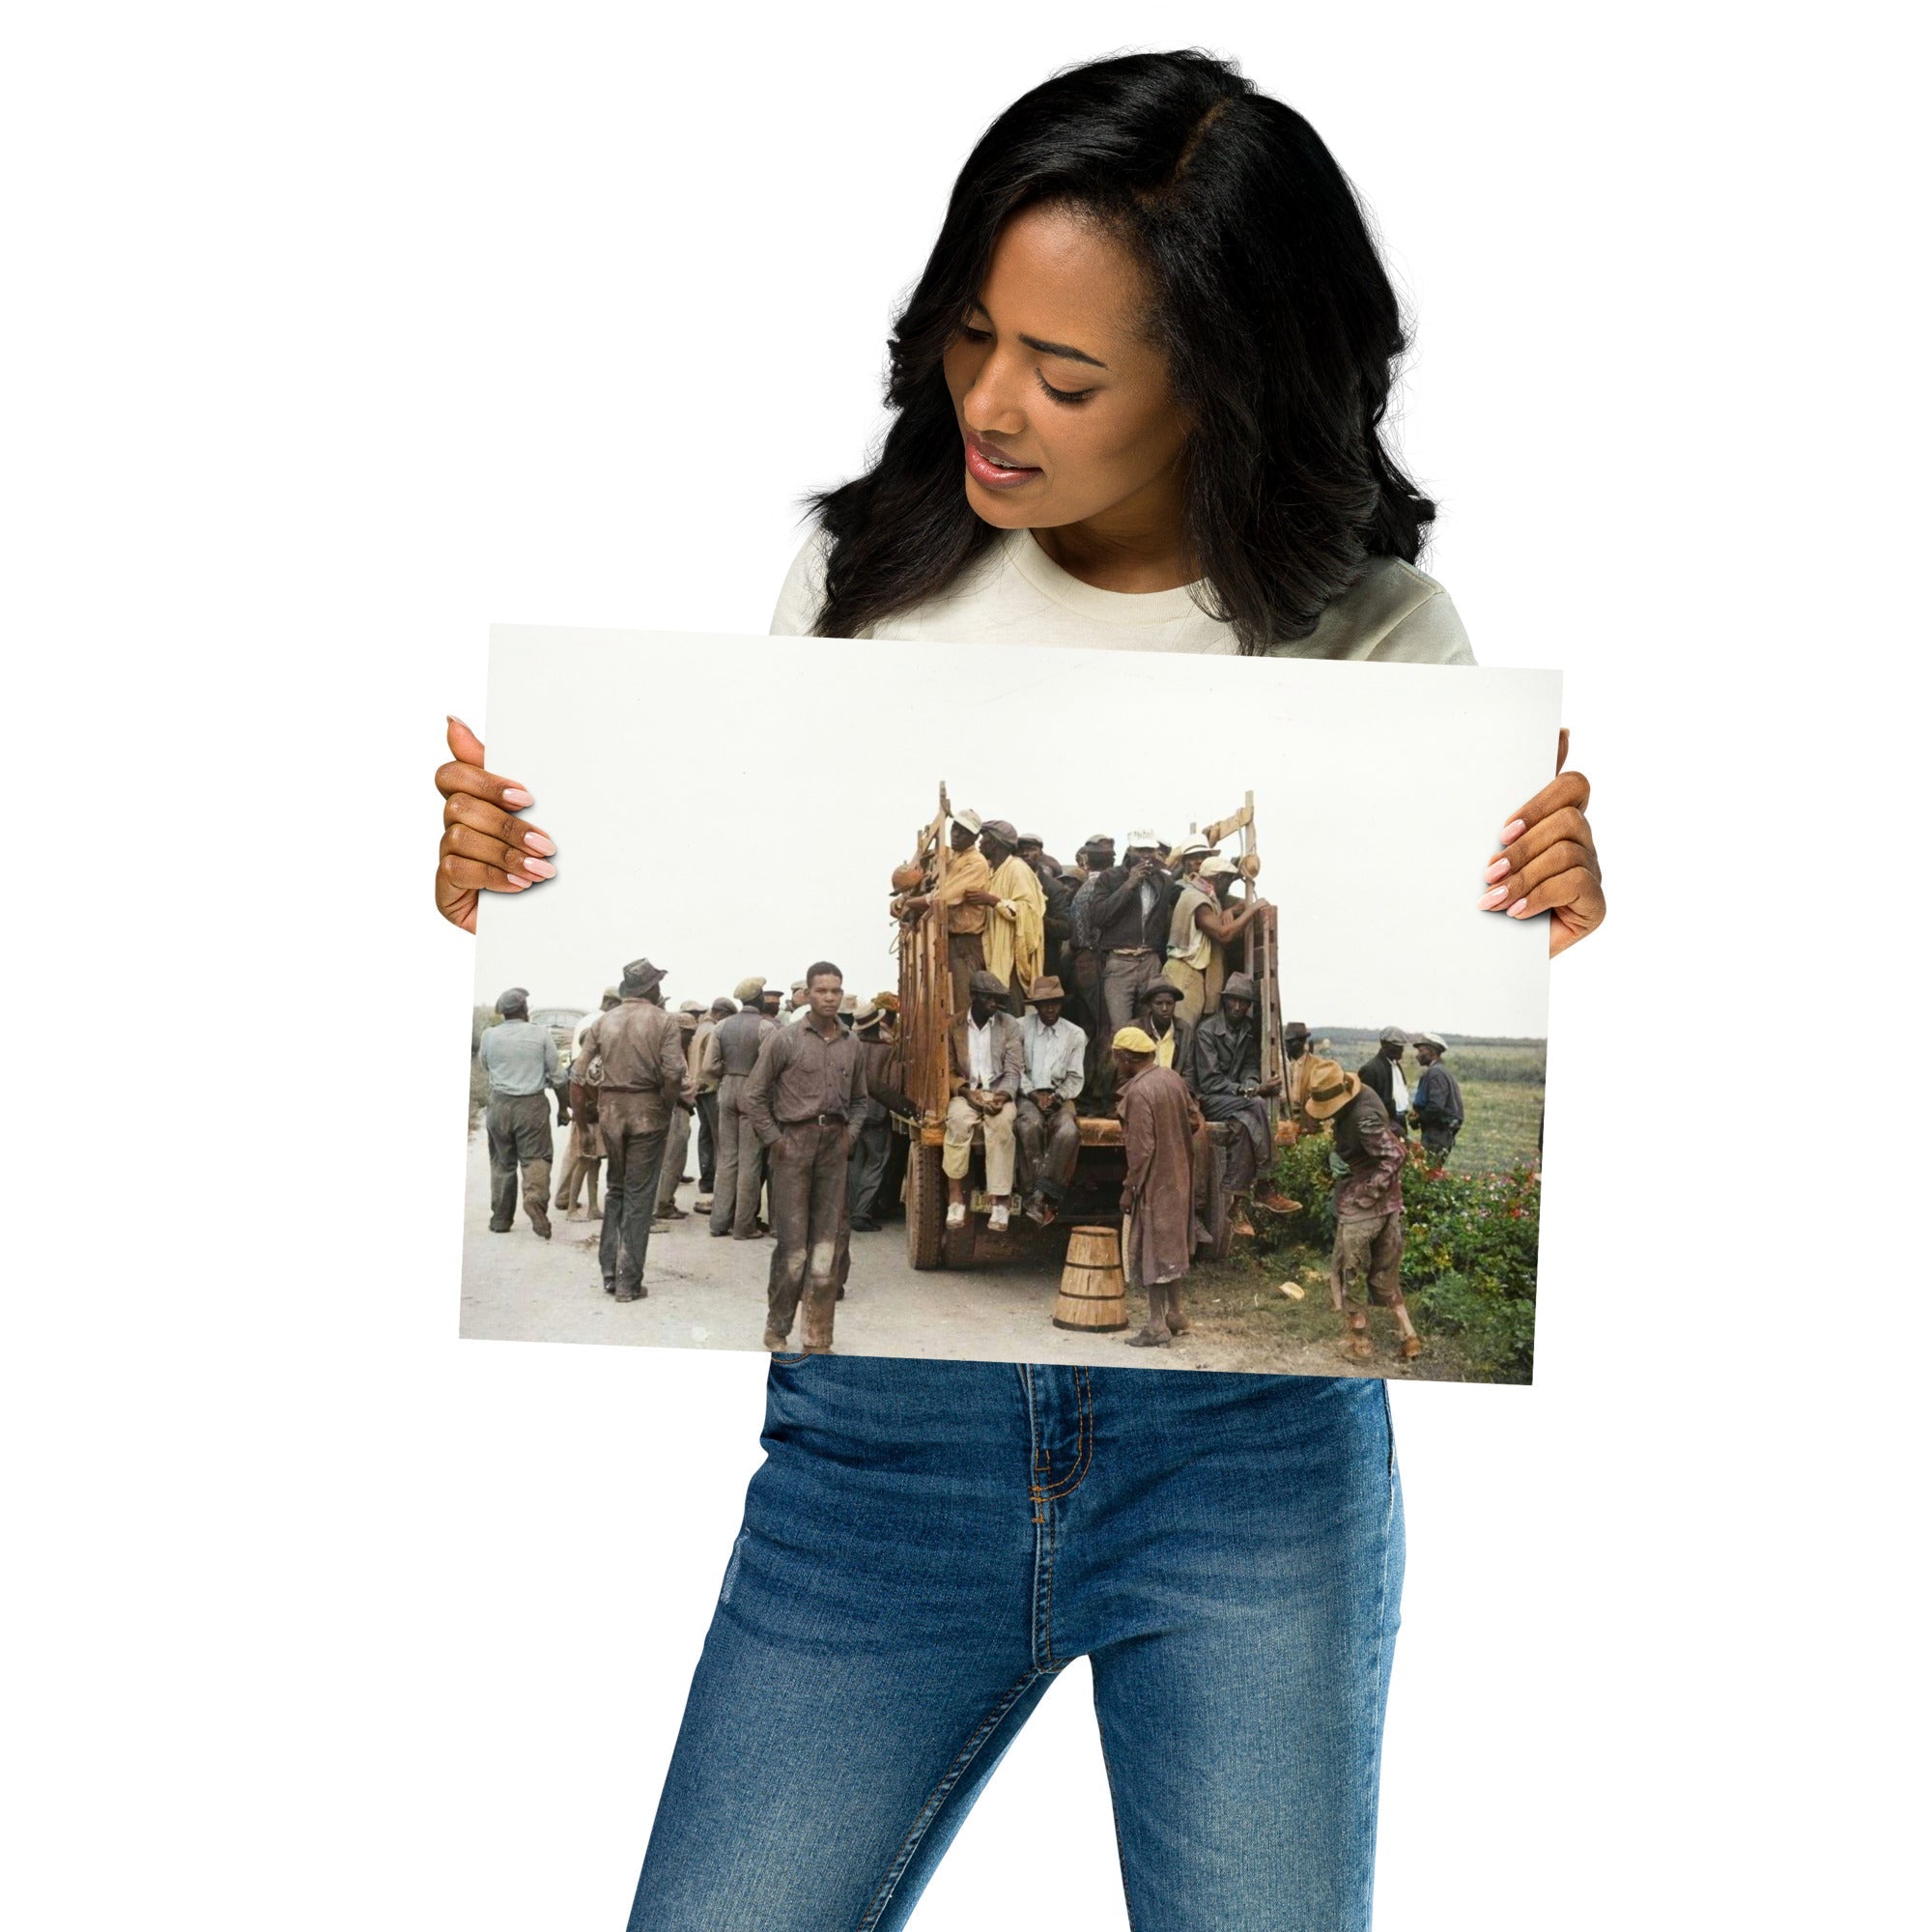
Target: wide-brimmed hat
x=1240 y=988
x=515 y=997
x=1294 y=1029
x=1428 y=1040
x=1329 y=1090
x=1185 y=847
x=639 y=976
x=747 y=990
x=869 y=1014
x=989 y=983
x=1394 y=1036
x=1131 y=1039
x=849 y=1004
x=1162 y=986
x=1045 y=987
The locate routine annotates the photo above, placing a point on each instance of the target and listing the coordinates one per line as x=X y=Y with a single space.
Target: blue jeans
x=928 y=1544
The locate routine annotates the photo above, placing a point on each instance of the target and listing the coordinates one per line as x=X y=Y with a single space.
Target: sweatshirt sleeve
x=803 y=596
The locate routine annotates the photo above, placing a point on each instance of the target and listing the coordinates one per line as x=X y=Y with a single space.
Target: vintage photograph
x=1061 y=1023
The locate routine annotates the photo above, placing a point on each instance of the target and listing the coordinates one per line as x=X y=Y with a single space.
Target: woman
x=1137 y=400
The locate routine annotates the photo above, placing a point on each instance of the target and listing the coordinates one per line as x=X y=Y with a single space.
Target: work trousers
x=869 y=1160
x=1439 y=1142
x=517 y=1128
x=927 y=1545
x=678 y=1144
x=961 y=1118
x=1049 y=1146
x=707 y=1140
x=1249 y=1149
x=1367 y=1254
x=1193 y=983
x=808 y=1224
x=580 y=1155
x=741 y=1165
x=633 y=1131
x=1123 y=978
x=966 y=953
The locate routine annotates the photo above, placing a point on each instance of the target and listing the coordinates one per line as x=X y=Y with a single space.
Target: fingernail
x=450 y=718
x=1492 y=898
x=1517 y=910
x=516 y=797
x=1498 y=871
x=518 y=882
x=540 y=869
x=537 y=842
x=1512 y=831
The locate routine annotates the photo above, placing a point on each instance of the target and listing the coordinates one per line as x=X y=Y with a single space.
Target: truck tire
x=925 y=1207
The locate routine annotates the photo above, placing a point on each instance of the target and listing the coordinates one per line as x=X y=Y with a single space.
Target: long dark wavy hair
x=1277 y=321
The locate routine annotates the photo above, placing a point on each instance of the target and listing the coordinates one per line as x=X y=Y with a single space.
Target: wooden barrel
x=1092 y=1290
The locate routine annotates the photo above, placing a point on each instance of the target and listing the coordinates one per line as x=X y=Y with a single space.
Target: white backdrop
x=336 y=334
x=771 y=845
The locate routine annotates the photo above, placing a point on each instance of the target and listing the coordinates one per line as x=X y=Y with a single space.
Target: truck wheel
x=925 y=1207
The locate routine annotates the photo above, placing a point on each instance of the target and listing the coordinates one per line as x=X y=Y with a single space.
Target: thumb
x=1562 y=747
x=466 y=748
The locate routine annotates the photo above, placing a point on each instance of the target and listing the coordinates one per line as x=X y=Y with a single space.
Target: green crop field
x=1502 y=1093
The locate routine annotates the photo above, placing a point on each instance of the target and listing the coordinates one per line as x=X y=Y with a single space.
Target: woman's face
x=1063 y=407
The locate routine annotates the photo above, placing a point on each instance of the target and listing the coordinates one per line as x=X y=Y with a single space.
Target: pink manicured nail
x=451 y=718
x=1492 y=898
x=1517 y=910
x=1513 y=830
x=537 y=842
x=518 y=882
x=516 y=797
x=540 y=869
x=1498 y=871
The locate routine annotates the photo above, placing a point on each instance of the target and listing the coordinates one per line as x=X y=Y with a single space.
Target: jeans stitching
x=1083 y=1454
x=1366 y=1798
x=929 y=1811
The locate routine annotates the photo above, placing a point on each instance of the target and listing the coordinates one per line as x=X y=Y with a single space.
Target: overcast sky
x=734 y=805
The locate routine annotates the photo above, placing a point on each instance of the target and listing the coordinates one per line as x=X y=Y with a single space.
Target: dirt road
x=710 y=1293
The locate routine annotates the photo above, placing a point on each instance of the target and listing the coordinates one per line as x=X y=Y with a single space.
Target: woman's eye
x=1063 y=395
x=971 y=334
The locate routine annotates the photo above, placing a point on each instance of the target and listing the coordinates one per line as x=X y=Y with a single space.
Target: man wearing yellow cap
x=1158 y=1122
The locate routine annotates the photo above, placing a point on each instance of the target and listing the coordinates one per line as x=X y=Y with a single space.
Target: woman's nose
x=991 y=404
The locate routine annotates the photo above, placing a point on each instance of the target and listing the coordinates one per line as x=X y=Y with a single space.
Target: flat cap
x=1001 y=829
x=516 y=997
x=1394 y=1036
x=989 y=983
x=1428 y=1040
x=1131 y=1039
x=748 y=989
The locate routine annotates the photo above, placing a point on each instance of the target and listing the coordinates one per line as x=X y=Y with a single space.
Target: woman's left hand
x=1549 y=861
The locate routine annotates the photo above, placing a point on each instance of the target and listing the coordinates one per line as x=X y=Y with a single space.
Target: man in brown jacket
x=641 y=1051
x=806 y=1100
x=1158 y=1123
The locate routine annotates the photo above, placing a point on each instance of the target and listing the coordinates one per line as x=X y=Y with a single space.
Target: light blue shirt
x=1056 y=1056
x=519 y=1056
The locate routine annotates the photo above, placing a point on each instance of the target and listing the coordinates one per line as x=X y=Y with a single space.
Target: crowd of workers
x=792 y=1100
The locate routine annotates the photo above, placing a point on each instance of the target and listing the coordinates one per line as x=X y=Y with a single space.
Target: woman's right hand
x=485 y=847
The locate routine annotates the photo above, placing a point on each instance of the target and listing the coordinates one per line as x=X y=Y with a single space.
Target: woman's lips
x=986 y=464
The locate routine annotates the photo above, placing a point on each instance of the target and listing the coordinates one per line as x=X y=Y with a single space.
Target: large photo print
x=1011 y=1004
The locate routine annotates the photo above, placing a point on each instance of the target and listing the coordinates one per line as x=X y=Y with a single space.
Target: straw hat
x=1329 y=1090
